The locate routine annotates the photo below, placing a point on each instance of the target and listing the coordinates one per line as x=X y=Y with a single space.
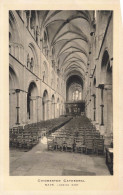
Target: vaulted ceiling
x=68 y=35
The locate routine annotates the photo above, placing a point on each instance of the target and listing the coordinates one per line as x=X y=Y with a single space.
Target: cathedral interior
x=60 y=92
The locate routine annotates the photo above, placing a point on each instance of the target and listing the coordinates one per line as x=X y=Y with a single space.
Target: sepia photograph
x=60 y=92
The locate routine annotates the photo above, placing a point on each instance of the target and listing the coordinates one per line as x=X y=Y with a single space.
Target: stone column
x=94 y=107
x=46 y=110
x=97 y=108
x=41 y=108
x=28 y=15
x=101 y=103
x=17 y=107
x=41 y=44
x=38 y=108
x=33 y=109
x=55 y=110
x=109 y=121
x=37 y=35
x=12 y=107
x=102 y=111
x=49 y=109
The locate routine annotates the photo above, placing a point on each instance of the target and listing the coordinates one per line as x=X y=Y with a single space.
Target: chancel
x=60 y=92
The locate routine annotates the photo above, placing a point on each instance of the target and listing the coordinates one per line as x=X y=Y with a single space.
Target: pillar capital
x=102 y=105
x=48 y=100
x=33 y=97
x=93 y=95
x=39 y=97
x=17 y=90
x=108 y=86
x=101 y=86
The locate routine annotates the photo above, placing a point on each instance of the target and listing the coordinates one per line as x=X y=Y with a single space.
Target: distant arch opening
x=74 y=88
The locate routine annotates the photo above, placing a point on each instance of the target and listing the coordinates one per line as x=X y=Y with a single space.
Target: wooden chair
x=59 y=143
x=79 y=144
x=99 y=145
x=13 y=140
x=20 y=140
x=69 y=144
x=29 y=142
x=97 y=134
x=50 y=143
x=89 y=145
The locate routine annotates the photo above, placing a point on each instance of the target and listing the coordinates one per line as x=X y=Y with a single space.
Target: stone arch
x=104 y=64
x=32 y=110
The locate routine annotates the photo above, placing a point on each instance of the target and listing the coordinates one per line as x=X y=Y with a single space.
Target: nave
x=60 y=91
x=40 y=160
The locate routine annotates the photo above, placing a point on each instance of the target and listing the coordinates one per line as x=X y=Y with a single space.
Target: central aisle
x=40 y=162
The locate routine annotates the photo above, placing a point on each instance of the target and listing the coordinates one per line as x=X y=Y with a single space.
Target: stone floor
x=40 y=162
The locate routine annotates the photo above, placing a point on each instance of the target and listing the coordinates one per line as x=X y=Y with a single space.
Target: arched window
x=32 y=60
x=77 y=94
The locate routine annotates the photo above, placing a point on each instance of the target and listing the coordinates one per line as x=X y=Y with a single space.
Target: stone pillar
x=25 y=17
x=55 y=106
x=33 y=109
x=19 y=53
x=41 y=108
x=102 y=111
x=12 y=107
x=38 y=108
x=53 y=110
x=28 y=15
x=37 y=35
x=59 y=109
x=46 y=110
x=94 y=107
x=97 y=108
x=49 y=109
x=41 y=44
x=109 y=121
x=17 y=107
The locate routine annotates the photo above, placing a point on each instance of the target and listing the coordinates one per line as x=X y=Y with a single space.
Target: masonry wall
x=24 y=75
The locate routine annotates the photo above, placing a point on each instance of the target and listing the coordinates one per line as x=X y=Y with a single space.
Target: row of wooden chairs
x=28 y=136
x=79 y=135
x=24 y=140
x=76 y=144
